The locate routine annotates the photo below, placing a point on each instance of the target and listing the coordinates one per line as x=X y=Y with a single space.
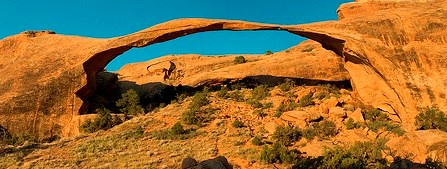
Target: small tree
x=130 y=103
x=431 y=118
x=286 y=134
x=260 y=92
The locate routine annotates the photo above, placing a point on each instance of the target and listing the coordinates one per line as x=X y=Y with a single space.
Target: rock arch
x=47 y=76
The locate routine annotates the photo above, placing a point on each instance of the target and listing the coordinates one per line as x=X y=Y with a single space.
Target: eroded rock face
x=394 y=53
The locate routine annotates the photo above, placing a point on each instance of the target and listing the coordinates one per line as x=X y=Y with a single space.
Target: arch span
x=183 y=27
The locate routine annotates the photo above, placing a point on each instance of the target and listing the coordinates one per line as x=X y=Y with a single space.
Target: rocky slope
x=392 y=50
x=147 y=141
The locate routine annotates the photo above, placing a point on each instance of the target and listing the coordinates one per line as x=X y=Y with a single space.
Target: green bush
x=376 y=120
x=350 y=124
x=374 y=115
x=192 y=117
x=236 y=95
x=177 y=129
x=259 y=113
x=176 y=132
x=286 y=135
x=309 y=133
x=239 y=60
x=260 y=92
x=198 y=100
x=306 y=100
x=268 y=52
x=431 y=118
x=284 y=107
x=130 y=103
x=287 y=85
x=254 y=103
x=278 y=153
x=103 y=120
x=223 y=93
x=237 y=124
x=257 y=141
x=359 y=155
x=323 y=129
x=139 y=131
x=197 y=114
x=258 y=104
x=267 y=105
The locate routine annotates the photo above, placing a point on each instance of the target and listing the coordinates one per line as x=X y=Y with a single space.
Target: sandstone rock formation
x=393 y=51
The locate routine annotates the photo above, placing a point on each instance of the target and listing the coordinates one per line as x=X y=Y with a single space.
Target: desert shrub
x=328 y=90
x=176 y=132
x=350 y=124
x=385 y=125
x=376 y=120
x=284 y=107
x=199 y=99
x=332 y=89
x=237 y=124
x=257 y=141
x=323 y=129
x=287 y=85
x=260 y=92
x=322 y=95
x=278 y=153
x=309 y=133
x=196 y=114
x=268 y=52
x=239 y=60
x=286 y=134
x=254 y=103
x=267 y=105
x=139 y=131
x=177 y=128
x=192 y=117
x=306 y=100
x=431 y=118
x=179 y=98
x=236 y=95
x=103 y=120
x=259 y=113
x=258 y=104
x=359 y=155
x=223 y=93
x=374 y=115
x=130 y=103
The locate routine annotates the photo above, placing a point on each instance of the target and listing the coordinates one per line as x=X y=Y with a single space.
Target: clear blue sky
x=110 y=18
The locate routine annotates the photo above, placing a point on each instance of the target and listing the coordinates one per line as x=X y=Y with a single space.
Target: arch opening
x=153 y=35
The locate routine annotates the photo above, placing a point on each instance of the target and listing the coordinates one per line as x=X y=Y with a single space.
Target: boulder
x=357 y=115
x=216 y=163
x=421 y=144
x=301 y=118
x=338 y=112
x=332 y=102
